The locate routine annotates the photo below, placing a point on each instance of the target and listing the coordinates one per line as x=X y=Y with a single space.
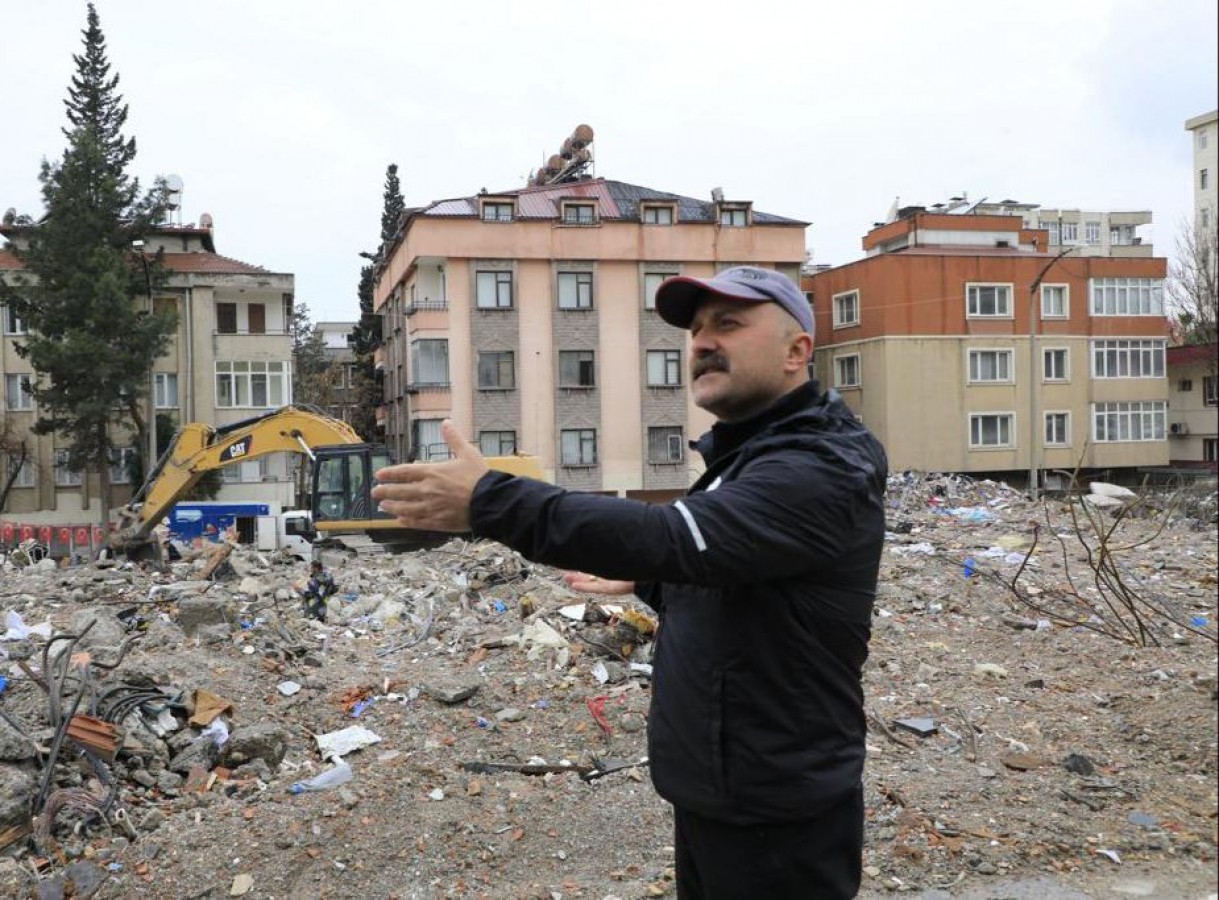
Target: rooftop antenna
x=173 y=198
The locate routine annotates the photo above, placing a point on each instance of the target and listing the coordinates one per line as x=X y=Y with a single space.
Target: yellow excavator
x=342 y=468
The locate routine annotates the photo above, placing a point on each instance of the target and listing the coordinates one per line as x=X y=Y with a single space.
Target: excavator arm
x=198 y=448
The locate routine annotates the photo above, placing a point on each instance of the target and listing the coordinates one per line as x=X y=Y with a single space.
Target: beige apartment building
x=528 y=318
x=230 y=359
x=1204 y=130
x=1081 y=232
x=967 y=346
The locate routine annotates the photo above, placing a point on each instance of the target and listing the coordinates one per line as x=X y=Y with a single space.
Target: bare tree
x=1193 y=282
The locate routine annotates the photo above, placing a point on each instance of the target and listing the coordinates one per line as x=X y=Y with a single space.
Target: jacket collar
x=725 y=437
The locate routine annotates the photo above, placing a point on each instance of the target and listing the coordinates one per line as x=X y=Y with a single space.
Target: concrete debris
x=470 y=668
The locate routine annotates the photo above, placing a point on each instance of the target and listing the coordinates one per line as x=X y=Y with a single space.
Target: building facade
x=528 y=318
x=1204 y=131
x=230 y=359
x=1193 y=403
x=341 y=399
x=966 y=345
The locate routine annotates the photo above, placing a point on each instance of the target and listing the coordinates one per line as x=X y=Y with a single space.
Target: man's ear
x=799 y=352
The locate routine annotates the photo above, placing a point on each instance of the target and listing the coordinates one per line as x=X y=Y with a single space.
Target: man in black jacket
x=763 y=576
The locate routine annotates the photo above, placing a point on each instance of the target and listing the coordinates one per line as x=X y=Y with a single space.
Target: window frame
x=161 y=382
x=670 y=365
x=654 y=209
x=22 y=392
x=586 y=438
x=670 y=432
x=1000 y=416
x=735 y=215
x=583 y=284
x=1121 y=296
x=65 y=477
x=498 y=206
x=499 y=280
x=26 y=476
x=417 y=361
x=838 y=301
x=243 y=376
x=1126 y=351
x=972 y=300
x=649 y=295
x=840 y=363
x=580 y=361
x=489 y=361
x=1210 y=390
x=1066 y=365
x=1065 y=290
x=1125 y=411
x=568 y=208
x=14 y=325
x=1065 y=416
x=974 y=354
x=496 y=435
x=119 y=471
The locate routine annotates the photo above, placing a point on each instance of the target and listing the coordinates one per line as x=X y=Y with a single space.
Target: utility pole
x=1035 y=434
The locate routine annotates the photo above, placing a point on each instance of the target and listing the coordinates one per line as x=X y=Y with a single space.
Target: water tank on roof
x=582 y=135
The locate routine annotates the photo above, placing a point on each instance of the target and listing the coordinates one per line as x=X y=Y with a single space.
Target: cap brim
x=678 y=298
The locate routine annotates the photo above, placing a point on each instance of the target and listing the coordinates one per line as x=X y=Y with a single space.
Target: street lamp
x=1035 y=378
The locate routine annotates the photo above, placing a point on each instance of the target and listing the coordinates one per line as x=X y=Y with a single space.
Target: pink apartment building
x=528 y=318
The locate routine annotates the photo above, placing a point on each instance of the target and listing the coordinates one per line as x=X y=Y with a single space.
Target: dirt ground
x=1014 y=751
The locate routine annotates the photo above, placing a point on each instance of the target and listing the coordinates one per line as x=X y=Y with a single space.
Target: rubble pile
x=462 y=724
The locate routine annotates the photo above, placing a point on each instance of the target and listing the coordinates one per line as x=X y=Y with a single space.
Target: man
x=763 y=576
x=319 y=588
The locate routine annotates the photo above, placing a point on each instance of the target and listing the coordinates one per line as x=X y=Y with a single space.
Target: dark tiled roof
x=616 y=200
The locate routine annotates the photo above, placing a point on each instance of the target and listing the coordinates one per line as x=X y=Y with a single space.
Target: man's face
x=744 y=356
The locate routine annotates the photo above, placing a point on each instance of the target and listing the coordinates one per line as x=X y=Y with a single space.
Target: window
x=430 y=362
x=1054 y=364
x=256 y=383
x=1208 y=390
x=64 y=476
x=226 y=318
x=1052 y=228
x=493 y=290
x=1185 y=385
x=575 y=290
x=579 y=214
x=1091 y=232
x=164 y=305
x=12 y=322
x=494 y=211
x=496 y=370
x=256 y=317
x=990 y=365
x=657 y=215
x=121 y=459
x=1204 y=179
x=1203 y=138
x=1070 y=232
x=1054 y=299
x=165 y=390
x=1205 y=217
x=846 y=309
x=426 y=443
x=988 y=300
x=22 y=477
x=1127 y=296
x=734 y=217
x=664 y=368
x=576 y=369
x=991 y=429
x=1057 y=429
x=846 y=371
x=665 y=445
x=253 y=470
x=578 y=447
x=651 y=283
x=17 y=393
x=497 y=443
x=1210 y=450
x=1128 y=421
x=1128 y=359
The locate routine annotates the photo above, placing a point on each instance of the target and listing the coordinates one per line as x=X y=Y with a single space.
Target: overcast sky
x=281 y=117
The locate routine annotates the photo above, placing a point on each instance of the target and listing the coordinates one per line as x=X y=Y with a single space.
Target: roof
x=1192 y=353
x=616 y=200
x=184 y=263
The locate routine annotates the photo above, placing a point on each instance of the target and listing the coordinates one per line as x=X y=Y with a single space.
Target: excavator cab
x=342 y=481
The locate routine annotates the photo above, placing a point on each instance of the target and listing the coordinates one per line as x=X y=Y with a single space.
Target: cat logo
x=236 y=450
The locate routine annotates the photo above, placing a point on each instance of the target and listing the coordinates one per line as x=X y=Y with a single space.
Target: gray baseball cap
x=678 y=298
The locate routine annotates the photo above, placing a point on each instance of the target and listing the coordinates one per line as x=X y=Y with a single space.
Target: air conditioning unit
x=1178 y=428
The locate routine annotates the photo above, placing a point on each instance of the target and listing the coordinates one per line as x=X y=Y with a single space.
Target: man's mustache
x=712 y=362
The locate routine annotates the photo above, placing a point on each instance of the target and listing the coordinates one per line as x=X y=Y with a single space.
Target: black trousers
x=816 y=859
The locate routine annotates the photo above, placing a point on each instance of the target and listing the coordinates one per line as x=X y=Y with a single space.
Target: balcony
x=378 y=359
x=427 y=303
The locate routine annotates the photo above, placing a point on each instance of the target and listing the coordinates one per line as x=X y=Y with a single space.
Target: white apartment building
x=1206 y=167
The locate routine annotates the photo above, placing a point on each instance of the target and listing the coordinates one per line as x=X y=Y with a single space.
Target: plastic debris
x=346 y=740
x=340 y=773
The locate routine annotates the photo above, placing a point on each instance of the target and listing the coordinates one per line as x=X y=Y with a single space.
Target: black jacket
x=764 y=577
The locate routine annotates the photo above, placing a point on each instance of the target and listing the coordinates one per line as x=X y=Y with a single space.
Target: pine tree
x=80 y=294
x=366 y=336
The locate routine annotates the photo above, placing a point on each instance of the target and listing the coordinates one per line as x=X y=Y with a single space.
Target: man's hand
x=593 y=584
x=433 y=496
